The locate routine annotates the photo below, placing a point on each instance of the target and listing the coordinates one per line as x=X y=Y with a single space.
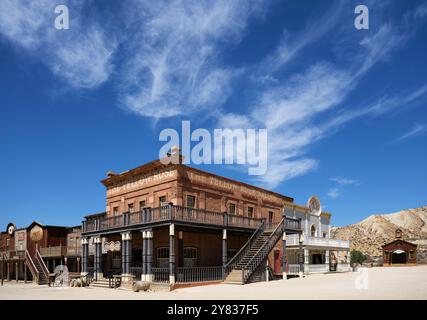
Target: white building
x=321 y=253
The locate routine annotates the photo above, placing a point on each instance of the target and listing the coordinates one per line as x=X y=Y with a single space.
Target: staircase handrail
x=32 y=266
x=43 y=265
x=243 y=250
x=262 y=249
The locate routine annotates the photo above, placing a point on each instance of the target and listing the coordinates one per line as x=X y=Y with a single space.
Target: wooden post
x=171 y=253
x=2 y=270
x=284 y=271
x=224 y=252
x=78 y=265
x=144 y=255
x=16 y=272
x=8 y=271
x=25 y=272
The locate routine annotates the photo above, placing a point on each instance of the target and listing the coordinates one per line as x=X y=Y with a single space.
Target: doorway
x=398 y=257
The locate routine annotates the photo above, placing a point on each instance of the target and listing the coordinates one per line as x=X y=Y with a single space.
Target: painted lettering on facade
x=232 y=187
x=142 y=180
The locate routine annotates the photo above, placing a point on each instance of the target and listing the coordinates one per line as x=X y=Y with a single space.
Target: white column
x=348 y=260
x=284 y=260
x=338 y=260
x=267 y=278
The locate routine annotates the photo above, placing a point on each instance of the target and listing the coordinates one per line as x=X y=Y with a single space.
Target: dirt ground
x=371 y=283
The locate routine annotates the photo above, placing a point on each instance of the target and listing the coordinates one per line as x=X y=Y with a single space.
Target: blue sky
x=345 y=109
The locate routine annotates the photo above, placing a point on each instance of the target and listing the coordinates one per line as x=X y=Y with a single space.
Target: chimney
x=111 y=174
x=174 y=156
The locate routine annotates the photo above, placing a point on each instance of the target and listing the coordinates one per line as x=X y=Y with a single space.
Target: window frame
x=142 y=204
x=252 y=215
x=229 y=206
x=190 y=196
x=131 y=208
x=162 y=203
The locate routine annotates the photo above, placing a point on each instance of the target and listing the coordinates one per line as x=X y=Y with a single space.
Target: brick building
x=175 y=224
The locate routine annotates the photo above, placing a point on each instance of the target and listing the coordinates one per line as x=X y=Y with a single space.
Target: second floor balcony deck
x=61 y=251
x=327 y=243
x=181 y=215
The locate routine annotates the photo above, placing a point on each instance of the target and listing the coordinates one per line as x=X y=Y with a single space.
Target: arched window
x=313 y=231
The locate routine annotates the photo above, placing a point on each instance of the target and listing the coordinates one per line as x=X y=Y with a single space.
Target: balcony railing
x=56 y=251
x=343 y=267
x=59 y=251
x=10 y=255
x=293 y=269
x=160 y=274
x=178 y=214
x=184 y=275
x=318 y=268
x=293 y=240
x=74 y=251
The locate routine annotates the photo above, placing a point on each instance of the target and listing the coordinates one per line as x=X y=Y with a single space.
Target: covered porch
x=167 y=254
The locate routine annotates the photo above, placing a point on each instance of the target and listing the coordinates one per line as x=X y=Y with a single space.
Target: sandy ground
x=372 y=283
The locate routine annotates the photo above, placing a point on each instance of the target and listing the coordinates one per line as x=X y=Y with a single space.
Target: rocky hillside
x=370 y=234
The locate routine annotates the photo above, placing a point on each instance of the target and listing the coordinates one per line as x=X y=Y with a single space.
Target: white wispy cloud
x=175 y=68
x=340 y=183
x=291 y=110
x=334 y=193
x=81 y=56
x=344 y=181
x=291 y=44
x=415 y=131
x=172 y=65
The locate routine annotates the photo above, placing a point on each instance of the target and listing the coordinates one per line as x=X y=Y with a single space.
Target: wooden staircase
x=246 y=263
x=37 y=268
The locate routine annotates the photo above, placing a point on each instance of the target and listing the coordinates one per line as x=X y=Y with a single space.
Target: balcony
x=61 y=251
x=327 y=243
x=56 y=251
x=179 y=214
x=74 y=251
x=12 y=255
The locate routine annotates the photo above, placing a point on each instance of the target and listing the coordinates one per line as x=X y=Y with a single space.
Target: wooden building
x=399 y=251
x=33 y=252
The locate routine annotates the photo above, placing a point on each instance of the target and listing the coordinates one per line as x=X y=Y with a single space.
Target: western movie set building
x=174 y=224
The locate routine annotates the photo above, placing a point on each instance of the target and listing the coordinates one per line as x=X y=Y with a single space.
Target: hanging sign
x=112 y=246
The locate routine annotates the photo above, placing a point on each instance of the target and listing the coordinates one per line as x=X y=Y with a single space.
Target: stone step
x=233 y=282
x=100 y=284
